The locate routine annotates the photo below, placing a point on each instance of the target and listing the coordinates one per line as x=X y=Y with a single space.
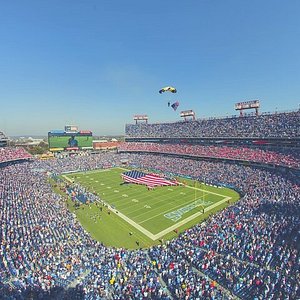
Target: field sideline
x=141 y=217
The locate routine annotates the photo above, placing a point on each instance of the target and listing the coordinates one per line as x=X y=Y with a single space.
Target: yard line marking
x=131 y=222
x=171 y=209
x=67 y=178
x=137 y=224
x=169 y=229
x=88 y=172
x=158 y=207
x=188 y=219
x=209 y=192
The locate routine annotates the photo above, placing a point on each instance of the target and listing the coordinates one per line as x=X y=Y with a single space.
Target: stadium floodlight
x=253 y=104
x=188 y=114
x=142 y=118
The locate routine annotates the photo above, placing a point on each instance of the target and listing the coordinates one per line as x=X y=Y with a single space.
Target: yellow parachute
x=168 y=89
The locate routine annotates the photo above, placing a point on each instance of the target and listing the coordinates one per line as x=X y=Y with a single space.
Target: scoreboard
x=60 y=140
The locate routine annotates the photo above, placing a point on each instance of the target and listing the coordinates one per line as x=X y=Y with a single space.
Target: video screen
x=68 y=140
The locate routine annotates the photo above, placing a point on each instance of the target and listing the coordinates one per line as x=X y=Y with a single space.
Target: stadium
x=193 y=209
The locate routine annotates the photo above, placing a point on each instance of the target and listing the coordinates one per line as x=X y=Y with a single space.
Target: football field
x=154 y=213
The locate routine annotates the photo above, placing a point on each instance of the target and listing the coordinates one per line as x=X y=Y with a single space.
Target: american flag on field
x=139 y=177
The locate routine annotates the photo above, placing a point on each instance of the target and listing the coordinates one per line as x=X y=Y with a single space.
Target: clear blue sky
x=97 y=63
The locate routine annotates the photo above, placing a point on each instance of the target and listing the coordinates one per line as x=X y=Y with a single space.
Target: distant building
x=3 y=140
x=28 y=141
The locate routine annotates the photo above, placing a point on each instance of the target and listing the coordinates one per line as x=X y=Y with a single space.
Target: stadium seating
x=221 y=152
x=12 y=154
x=275 y=125
x=250 y=249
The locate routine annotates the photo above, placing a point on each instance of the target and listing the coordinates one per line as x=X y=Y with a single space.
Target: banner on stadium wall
x=56 y=149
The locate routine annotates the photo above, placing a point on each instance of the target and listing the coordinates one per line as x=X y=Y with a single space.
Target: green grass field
x=151 y=216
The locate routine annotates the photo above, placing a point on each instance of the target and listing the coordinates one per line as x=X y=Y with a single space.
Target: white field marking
x=102 y=183
x=123 y=169
x=169 y=229
x=155 y=205
x=108 y=187
x=117 y=199
x=86 y=173
x=188 y=219
x=67 y=178
x=169 y=210
x=206 y=191
x=166 y=203
x=198 y=189
x=176 y=215
x=116 y=191
x=123 y=205
x=96 y=181
x=165 y=200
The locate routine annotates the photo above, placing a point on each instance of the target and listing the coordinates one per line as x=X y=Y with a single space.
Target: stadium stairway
x=162 y=282
x=224 y=290
x=78 y=279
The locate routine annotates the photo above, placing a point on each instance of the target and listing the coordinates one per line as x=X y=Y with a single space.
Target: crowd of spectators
x=251 y=248
x=80 y=163
x=263 y=126
x=13 y=153
x=222 y=152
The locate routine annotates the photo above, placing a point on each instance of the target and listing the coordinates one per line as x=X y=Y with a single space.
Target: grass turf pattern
x=155 y=210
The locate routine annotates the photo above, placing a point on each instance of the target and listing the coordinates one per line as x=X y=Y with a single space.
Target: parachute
x=170 y=102
x=168 y=89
